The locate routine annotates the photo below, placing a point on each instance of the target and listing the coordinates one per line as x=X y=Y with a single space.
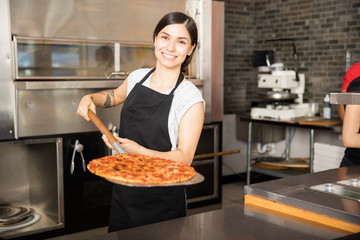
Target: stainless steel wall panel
x=53 y=111
x=52 y=85
x=125 y=21
x=205 y=54
x=14 y=174
x=7 y=94
x=211 y=57
x=217 y=67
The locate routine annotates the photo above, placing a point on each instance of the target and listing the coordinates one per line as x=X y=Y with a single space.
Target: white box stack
x=327 y=156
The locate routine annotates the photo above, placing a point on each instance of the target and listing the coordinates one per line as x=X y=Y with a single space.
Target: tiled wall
x=324 y=32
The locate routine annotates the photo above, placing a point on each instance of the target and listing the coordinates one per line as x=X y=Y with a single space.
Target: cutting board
x=282 y=164
x=317 y=121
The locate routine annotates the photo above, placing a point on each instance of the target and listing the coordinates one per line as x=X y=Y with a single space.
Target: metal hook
x=78 y=147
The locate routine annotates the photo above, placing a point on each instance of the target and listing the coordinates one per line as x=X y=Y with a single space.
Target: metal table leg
x=248 y=164
x=287 y=147
x=312 y=139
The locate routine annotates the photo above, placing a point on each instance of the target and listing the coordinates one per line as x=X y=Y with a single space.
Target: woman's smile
x=169 y=56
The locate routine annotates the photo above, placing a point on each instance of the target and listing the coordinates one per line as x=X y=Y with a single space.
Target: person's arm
x=189 y=133
x=341 y=109
x=106 y=98
x=351 y=125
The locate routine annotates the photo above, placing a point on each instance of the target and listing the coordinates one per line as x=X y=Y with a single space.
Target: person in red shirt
x=350 y=114
x=352 y=74
x=351 y=129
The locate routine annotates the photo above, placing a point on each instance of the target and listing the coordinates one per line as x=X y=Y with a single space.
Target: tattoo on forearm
x=109 y=94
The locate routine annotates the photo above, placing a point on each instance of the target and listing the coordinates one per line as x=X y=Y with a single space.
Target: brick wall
x=239 y=44
x=325 y=31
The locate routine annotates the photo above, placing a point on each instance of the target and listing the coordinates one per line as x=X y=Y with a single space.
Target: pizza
x=140 y=169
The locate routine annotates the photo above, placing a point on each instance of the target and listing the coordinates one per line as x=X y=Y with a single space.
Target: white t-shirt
x=185 y=96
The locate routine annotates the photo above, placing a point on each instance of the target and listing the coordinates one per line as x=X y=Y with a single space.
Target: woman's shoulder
x=138 y=73
x=188 y=87
x=188 y=93
x=185 y=96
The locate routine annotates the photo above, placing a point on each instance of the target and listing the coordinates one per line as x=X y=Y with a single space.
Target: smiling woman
x=162 y=116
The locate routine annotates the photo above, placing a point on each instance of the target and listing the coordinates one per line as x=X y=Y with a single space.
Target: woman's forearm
x=104 y=98
x=111 y=97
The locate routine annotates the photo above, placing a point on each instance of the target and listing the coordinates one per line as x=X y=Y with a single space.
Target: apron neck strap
x=147 y=75
x=179 y=80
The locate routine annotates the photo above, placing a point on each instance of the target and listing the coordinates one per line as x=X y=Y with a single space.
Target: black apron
x=144 y=119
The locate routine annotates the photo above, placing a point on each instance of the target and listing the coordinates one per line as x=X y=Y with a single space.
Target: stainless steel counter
x=296 y=191
x=252 y=222
x=230 y=223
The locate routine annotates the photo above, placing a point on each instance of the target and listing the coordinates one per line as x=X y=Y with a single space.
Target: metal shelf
x=345 y=98
x=274 y=166
x=281 y=173
x=288 y=124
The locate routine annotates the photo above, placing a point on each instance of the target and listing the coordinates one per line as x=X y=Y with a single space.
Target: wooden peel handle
x=208 y=155
x=103 y=129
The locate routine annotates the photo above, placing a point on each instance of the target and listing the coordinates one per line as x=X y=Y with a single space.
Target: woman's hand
x=85 y=104
x=128 y=145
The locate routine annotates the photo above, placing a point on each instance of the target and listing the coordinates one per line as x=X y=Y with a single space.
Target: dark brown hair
x=178 y=18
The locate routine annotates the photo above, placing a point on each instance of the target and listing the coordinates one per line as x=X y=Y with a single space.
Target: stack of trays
x=12 y=218
x=327 y=156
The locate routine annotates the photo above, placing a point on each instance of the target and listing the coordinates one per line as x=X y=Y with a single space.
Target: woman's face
x=172 y=45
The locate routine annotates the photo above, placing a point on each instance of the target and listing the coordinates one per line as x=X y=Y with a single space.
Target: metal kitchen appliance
x=49 y=56
x=285 y=99
x=282 y=90
x=31 y=186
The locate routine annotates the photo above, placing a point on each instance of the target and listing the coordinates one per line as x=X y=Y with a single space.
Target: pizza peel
x=198 y=178
x=103 y=129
